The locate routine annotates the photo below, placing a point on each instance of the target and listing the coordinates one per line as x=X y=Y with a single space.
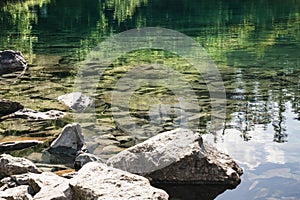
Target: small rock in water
x=11 y=61
x=178 y=156
x=70 y=141
x=9 y=107
x=84 y=158
x=18 y=145
x=36 y=115
x=76 y=101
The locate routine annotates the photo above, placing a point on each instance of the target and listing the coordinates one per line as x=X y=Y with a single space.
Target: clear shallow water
x=255 y=45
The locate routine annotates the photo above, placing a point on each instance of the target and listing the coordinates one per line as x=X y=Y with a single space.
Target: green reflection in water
x=254 y=43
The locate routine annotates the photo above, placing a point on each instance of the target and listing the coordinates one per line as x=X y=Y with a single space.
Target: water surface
x=255 y=45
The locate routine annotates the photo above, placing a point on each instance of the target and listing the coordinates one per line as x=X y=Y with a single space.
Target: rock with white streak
x=36 y=115
x=10 y=165
x=76 y=101
x=70 y=141
x=98 y=181
x=178 y=156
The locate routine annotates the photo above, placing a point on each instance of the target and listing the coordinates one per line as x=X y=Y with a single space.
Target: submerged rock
x=98 y=181
x=178 y=156
x=11 y=61
x=18 y=145
x=9 y=107
x=70 y=141
x=84 y=158
x=76 y=101
x=10 y=165
x=36 y=115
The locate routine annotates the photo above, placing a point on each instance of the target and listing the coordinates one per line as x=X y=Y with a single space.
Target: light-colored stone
x=36 y=115
x=10 y=165
x=98 y=181
x=178 y=156
x=76 y=101
x=16 y=193
x=49 y=186
x=70 y=140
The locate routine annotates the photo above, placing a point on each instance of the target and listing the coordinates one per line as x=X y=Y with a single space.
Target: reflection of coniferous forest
x=246 y=40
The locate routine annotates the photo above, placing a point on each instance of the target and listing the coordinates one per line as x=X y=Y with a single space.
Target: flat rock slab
x=10 y=165
x=98 y=181
x=18 y=145
x=76 y=101
x=178 y=156
x=36 y=115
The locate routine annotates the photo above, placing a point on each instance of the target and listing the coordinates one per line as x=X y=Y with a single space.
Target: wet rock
x=126 y=141
x=178 y=156
x=49 y=186
x=9 y=107
x=36 y=115
x=10 y=165
x=84 y=158
x=16 y=193
x=18 y=145
x=76 y=101
x=11 y=61
x=98 y=181
x=70 y=141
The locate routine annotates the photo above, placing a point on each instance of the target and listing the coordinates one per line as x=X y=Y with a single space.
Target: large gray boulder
x=76 y=101
x=70 y=141
x=8 y=107
x=10 y=165
x=11 y=61
x=178 y=156
x=98 y=181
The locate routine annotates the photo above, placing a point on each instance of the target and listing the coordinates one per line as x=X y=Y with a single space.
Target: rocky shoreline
x=173 y=159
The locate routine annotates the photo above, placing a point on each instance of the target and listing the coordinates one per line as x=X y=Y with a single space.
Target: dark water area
x=254 y=44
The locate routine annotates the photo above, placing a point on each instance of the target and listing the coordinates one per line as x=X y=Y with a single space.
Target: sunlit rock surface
x=70 y=141
x=178 y=156
x=10 y=165
x=76 y=101
x=98 y=181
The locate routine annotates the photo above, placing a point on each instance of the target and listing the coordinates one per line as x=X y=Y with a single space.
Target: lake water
x=255 y=45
